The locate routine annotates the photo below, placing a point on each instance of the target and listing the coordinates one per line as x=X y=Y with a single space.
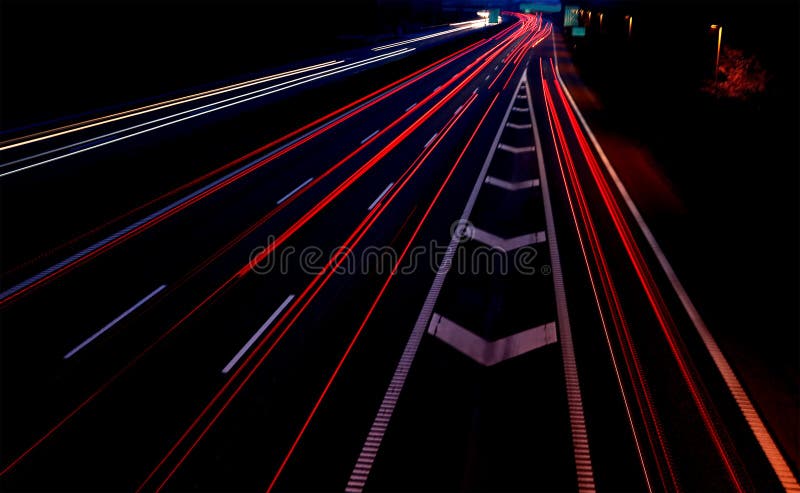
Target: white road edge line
x=370 y=136
x=366 y=457
x=757 y=426
x=294 y=191
x=375 y=202
x=114 y=322
x=258 y=333
x=577 y=420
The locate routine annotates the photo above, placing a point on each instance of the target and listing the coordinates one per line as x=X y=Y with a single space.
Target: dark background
x=65 y=57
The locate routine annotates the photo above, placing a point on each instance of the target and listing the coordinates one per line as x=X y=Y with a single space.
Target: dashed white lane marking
x=295 y=190
x=375 y=202
x=487 y=77
x=370 y=136
x=512 y=186
x=430 y=140
x=258 y=333
x=367 y=457
x=577 y=420
x=520 y=110
x=490 y=353
x=114 y=322
x=410 y=107
x=506 y=244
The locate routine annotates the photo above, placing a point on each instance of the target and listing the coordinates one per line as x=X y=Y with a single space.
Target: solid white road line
x=114 y=322
x=258 y=333
x=370 y=136
x=577 y=419
x=194 y=112
x=375 y=202
x=757 y=426
x=295 y=190
x=378 y=428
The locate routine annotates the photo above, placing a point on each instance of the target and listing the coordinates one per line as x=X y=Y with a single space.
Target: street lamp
x=629 y=18
x=719 y=45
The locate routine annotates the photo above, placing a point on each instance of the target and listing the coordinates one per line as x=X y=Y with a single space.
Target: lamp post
x=719 y=45
x=629 y=18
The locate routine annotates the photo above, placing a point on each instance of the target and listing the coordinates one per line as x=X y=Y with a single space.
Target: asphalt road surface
x=407 y=267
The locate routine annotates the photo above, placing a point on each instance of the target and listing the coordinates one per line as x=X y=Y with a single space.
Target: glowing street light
x=719 y=45
x=629 y=18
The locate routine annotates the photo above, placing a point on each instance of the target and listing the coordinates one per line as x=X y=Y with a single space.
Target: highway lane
x=419 y=108
x=191 y=147
x=94 y=290
x=205 y=375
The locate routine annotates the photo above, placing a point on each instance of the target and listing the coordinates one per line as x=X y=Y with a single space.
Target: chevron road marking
x=506 y=244
x=516 y=150
x=512 y=186
x=490 y=353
